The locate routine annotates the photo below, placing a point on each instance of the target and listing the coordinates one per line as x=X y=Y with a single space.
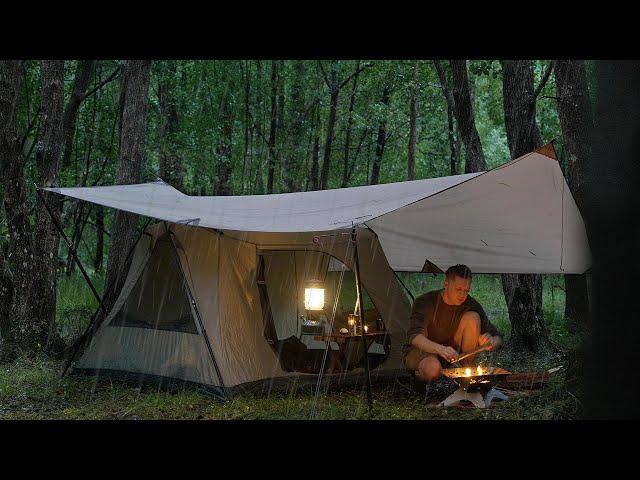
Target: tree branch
x=110 y=78
x=543 y=82
x=324 y=74
x=443 y=84
x=357 y=72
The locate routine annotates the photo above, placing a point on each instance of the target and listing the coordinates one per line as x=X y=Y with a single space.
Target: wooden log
x=525 y=381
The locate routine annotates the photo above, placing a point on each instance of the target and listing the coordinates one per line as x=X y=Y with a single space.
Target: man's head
x=457 y=283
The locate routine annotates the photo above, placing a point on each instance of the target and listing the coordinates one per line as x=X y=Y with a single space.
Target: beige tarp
x=520 y=217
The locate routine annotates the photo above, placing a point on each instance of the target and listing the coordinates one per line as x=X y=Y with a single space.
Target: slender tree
x=296 y=140
x=448 y=95
x=334 y=85
x=133 y=106
x=169 y=161
x=46 y=237
x=523 y=293
x=574 y=112
x=14 y=198
x=224 y=150
x=347 y=136
x=273 y=126
x=97 y=263
x=465 y=118
x=382 y=134
x=81 y=81
x=413 y=117
x=315 y=154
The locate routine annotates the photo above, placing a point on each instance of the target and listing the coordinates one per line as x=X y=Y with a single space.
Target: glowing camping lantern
x=314 y=295
x=352 y=320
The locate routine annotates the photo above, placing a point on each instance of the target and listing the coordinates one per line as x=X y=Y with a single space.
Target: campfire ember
x=476 y=384
x=478 y=378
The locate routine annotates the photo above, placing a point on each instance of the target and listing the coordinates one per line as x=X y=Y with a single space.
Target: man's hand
x=448 y=353
x=488 y=341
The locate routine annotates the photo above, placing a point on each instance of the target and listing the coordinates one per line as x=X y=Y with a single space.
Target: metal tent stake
x=354 y=239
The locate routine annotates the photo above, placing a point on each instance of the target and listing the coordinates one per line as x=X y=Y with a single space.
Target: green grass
x=33 y=390
x=75 y=302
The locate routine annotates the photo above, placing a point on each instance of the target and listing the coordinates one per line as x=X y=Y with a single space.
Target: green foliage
x=75 y=303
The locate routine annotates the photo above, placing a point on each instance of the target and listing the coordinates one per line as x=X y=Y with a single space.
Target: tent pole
x=82 y=338
x=354 y=239
x=192 y=299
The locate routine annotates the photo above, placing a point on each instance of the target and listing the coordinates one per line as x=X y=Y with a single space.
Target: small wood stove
x=476 y=385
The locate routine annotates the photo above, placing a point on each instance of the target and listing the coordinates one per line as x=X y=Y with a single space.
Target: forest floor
x=33 y=390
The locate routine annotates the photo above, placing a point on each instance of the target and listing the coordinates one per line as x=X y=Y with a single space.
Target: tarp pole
x=354 y=239
x=71 y=249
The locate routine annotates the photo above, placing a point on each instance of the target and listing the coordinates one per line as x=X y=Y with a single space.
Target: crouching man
x=447 y=323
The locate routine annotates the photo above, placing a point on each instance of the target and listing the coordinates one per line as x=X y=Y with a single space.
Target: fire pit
x=476 y=385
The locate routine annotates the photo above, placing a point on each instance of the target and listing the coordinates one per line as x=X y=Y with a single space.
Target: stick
x=477 y=350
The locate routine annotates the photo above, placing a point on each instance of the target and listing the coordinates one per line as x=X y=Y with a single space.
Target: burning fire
x=479 y=371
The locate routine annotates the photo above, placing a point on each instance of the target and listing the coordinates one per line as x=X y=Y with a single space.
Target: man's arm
x=489 y=333
x=423 y=343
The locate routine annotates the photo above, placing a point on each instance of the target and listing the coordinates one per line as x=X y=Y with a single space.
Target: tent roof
x=518 y=218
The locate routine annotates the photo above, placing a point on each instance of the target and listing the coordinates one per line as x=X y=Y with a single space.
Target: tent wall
x=143 y=350
x=220 y=271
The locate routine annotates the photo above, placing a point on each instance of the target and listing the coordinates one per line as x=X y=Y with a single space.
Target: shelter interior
x=312 y=341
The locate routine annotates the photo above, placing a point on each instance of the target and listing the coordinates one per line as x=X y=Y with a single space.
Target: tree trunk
x=326 y=158
x=134 y=98
x=169 y=162
x=97 y=263
x=382 y=138
x=291 y=167
x=223 y=185
x=475 y=161
x=257 y=180
x=247 y=129
x=347 y=139
x=84 y=71
x=13 y=273
x=413 y=114
x=33 y=307
x=315 y=154
x=280 y=139
x=448 y=95
x=273 y=125
x=574 y=112
x=523 y=293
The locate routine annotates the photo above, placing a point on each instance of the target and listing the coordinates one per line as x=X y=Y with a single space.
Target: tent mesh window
x=159 y=299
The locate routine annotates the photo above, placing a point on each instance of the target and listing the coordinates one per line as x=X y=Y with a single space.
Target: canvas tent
x=217 y=286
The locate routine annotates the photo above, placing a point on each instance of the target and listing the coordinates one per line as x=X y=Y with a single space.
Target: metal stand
x=476 y=398
x=354 y=239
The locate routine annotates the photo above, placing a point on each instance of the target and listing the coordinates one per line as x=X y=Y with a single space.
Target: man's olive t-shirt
x=438 y=321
